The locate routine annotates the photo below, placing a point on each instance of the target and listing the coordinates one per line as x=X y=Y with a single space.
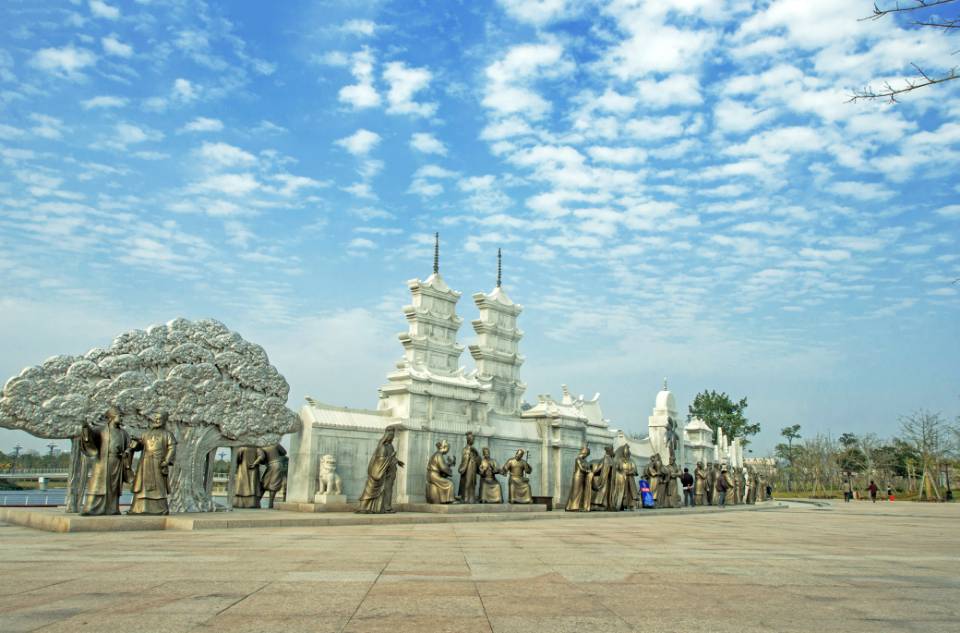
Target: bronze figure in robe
x=581 y=486
x=377 y=496
x=490 y=490
x=709 y=483
x=246 y=491
x=699 y=484
x=602 y=476
x=624 y=493
x=439 y=473
x=108 y=448
x=717 y=475
x=469 y=467
x=150 y=486
x=652 y=474
x=518 y=486
x=275 y=459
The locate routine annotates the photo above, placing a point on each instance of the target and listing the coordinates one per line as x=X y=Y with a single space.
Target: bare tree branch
x=897 y=8
x=889 y=92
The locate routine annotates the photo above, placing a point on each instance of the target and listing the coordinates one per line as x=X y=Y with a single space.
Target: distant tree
x=718 y=411
x=790 y=433
x=926 y=15
x=927 y=433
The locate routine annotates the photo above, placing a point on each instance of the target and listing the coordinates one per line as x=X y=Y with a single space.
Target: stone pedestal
x=333 y=500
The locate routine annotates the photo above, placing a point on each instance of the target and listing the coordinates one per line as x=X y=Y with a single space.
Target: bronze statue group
x=109 y=449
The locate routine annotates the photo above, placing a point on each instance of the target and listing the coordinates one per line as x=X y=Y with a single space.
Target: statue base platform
x=473 y=508
x=321 y=503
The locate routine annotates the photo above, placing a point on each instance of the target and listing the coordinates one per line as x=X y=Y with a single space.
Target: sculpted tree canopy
x=217 y=388
x=719 y=411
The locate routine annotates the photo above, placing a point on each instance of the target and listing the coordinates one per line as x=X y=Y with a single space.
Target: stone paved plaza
x=848 y=567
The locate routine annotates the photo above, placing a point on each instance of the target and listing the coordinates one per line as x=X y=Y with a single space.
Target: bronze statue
x=699 y=485
x=377 y=497
x=737 y=477
x=246 y=491
x=710 y=483
x=673 y=484
x=469 y=466
x=490 y=491
x=624 y=493
x=652 y=474
x=518 y=486
x=275 y=475
x=581 y=487
x=602 y=475
x=108 y=448
x=439 y=473
x=150 y=486
x=718 y=475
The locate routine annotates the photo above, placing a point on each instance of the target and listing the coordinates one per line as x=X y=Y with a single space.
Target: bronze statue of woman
x=150 y=488
x=247 y=491
x=108 y=448
x=469 y=465
x=439 y=473
x=581 y=486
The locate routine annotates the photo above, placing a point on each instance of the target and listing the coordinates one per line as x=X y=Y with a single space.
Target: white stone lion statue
x=329 y=482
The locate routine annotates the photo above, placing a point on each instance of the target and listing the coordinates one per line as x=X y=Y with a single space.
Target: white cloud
x=735 y=116
x=427 y=144
x=950 y=211
x=537 y=12
x=656 y=128
x=508 y=88
x=203 y=124
x=184 y=90
x=364 y=28
x=222 y=155
x=405 y=82
x=863 y=191
x=361 y=243
x=617 y=155
x=103 y=10
x=360 y=143
x=113 y=46
x=361 y=94
x=675 y=90
x=830 y=255
x=126 y=134
x=228 y=184
x=64 y=62
x=103 y=101
x=47 y=127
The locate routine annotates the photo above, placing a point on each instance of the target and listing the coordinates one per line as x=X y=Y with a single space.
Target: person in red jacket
x=873 y=491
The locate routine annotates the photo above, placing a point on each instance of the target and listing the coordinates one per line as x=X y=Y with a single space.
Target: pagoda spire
x=436 y=253
x=499 y=268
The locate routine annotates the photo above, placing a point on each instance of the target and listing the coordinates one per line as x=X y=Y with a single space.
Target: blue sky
x=680 y=189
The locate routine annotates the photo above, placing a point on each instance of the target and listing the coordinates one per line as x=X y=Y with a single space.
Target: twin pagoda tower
x=429 y=387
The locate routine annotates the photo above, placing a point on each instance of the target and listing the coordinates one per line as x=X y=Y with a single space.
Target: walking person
x=847 y=491
x=723 y=484
x=873 y=491
x=686 y=480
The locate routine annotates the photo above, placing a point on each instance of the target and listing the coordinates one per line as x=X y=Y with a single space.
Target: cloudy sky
x=680 y=189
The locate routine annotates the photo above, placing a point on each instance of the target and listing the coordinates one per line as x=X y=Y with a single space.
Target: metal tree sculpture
x=218 y=389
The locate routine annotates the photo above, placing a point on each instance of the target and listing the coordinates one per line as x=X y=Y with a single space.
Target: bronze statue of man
x=699 y=484
x=275 y=459
x=490 y=490
x=246 y=479
x=469 y=467
x=439 y=473
x=710 y=483
x=673 y=483
x=377 y=496
x=580 y=496
x=602 y=475
x=518 y=486
x=652 y=474
x=108 y=448
x=150 y=486
x=624 y=493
